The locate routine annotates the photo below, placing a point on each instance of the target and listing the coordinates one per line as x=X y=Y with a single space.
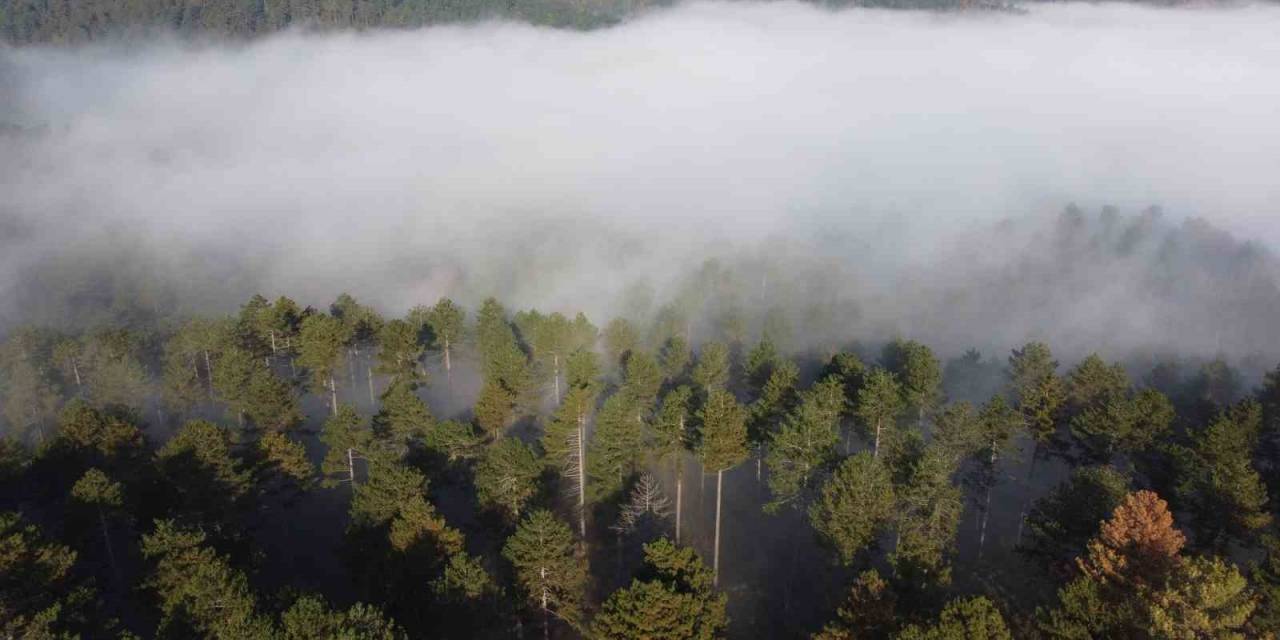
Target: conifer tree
x=447 y=323
x=105 y=497
x=723 y=446
x=674 y=358
x=918 y=371
x=855 y=506
x=974 y=618
x=878 y=408
x=670 y=440
x=321 y=351
x=616 y=446
x=712 y=370
x=549 y=571
x=805 y=446
x=620 y=339
x=564 y=440
x=675 y=600
x=506 y=477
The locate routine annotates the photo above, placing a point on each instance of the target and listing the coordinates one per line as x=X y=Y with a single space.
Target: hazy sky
x=400 y=164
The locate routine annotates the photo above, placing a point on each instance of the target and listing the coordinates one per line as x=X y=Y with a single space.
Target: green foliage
x=1227 y=496
x=712 y=370
x=855 y=506
x=1037 y=390
x=403 y=417
x=777 y=398
x=918 y=370
x=620 y=339
x=671 y=431
x=321 y=348
x=928 y=518
x=641 y=380
x=616 y=446
x=677 y=602
x=495 y=407
x=501 y=360
x=869 y=611
x=506 y=477
x=310 y=617
x=285 y=459
x=198 y=591
x=454 y=440
x=39 y=594
x=549 y=572
x=878 y=408
x=400 y=352
x=805 y=446
x=1060 y=523
x=344 y=439
x=209 y=483
x=674 y=358
x=724 y=432
x=975 y=618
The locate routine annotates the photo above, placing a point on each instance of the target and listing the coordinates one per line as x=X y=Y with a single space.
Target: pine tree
x=974 y=618
x=855 y=506
x=1226 y=493
x=805 y=446
x=928 y=518
x=1038 y=395
x=869 y=611
x=616 y=446
x=321 y=351
x=311 y=617
x=345 y=441
x=447 y=322
x=403 y=418
x=620 y=339
x=565 y=441
x=209 y=483
x=918 y=370
x=400 y=352
x=677 y=602
x=712 y=371
x=548 y=568
x=506 y=477
x=674 y=358
x=1062 y=522
x=670 y=440
x=106 y=498
x=40 y=594
x=879 y=406
x=199 y=592
x=723 y=446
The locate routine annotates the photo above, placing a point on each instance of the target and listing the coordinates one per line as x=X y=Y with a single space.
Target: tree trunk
x=546 y=619
x=582 y=477
x=351 y=468
x=106 y=541
x=333 y=395
x=448 y=366
x=555 y=359
x=351 y=370
x=208 y=369
x=875 y=448
x=272 y=333
x=1026 y=502
x=369 y=374
x=75 y=368
x=715 y=580
x=986 y=507
x=679 y=499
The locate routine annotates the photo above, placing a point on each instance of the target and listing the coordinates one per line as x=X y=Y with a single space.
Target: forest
x=69 y=21
x=709 y=465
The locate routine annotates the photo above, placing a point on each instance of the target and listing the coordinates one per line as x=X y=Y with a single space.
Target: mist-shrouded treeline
x=730 y=320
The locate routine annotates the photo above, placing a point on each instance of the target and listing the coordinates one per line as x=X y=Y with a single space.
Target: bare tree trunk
x=986 y=507
x=351 y=468
x=448 y=366
x=75 y=368
x=351 y=370
x=1026 y=502
x=369 y=374
x=679 y=498
x=272 y=333
x=106 y=541
x=208 y=369
x=555 y=358
x=333 y=395
x=582 y=477
x=546 y=619
x=716 y=555
x=875 y=448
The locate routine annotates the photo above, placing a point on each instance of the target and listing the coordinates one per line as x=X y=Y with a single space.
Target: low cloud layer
x=559 y=168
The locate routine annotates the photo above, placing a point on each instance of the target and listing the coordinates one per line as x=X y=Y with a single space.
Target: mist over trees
x=167 y=477
x=751 y=320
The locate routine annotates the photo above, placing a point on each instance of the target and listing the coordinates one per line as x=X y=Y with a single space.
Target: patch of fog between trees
x=871 y=173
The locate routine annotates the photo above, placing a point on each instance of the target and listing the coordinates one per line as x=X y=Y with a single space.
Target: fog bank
x=903 y=169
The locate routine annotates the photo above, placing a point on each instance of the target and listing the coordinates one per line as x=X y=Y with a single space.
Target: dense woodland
x=705 y=469
x=69 y=21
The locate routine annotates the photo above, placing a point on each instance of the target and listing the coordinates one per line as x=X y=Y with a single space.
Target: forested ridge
x=711 y=465
x=69 y=21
